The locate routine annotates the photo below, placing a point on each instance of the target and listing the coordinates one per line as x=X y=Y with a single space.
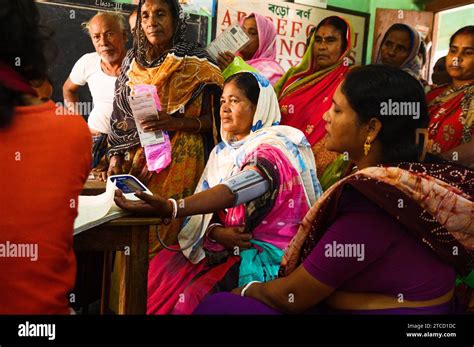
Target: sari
x=178 y=282
x=305 y=95
x=451 y=117
x=438 y=205
x=189 y=85
x=263 y=59
x=412 y=63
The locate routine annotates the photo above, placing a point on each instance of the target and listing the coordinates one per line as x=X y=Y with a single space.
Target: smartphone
x=129 y=184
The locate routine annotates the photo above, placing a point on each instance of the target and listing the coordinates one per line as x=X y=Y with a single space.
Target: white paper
x=232 y=40
x=143 y=106
x=97 y=209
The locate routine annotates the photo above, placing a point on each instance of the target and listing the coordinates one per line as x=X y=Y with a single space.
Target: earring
x=367 y=146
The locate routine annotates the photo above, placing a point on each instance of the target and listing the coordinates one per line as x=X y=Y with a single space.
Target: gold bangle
x=200 y=125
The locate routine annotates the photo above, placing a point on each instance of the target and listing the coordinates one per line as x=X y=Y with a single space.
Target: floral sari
x=451 y=117
x=437 y=208
x=188 y=85
x=177 y=282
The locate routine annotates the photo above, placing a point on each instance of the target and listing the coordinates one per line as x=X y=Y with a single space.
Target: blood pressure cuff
x=247 y=185
x=258 y=193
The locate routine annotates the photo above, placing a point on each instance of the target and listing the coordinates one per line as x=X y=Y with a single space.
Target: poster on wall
x=293 y=23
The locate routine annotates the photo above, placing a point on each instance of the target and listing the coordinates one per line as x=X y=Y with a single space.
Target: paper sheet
x=98 y=209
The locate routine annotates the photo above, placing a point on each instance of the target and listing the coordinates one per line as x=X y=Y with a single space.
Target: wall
x=370 y=6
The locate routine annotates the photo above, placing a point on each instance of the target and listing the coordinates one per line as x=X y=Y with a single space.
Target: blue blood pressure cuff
x=247 y=185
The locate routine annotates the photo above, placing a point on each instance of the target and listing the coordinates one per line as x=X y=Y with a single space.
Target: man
x=99 y=70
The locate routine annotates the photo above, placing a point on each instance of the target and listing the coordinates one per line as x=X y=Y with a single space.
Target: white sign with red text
x=293 y=23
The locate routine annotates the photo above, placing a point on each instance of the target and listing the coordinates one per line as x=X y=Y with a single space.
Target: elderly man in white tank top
x=99 y=70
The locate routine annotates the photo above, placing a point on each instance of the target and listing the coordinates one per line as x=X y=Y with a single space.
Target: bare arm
x=70 y=94
x=293 y=294
x=209 y=201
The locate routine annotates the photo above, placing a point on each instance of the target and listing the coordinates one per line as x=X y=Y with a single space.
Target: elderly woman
x=381 y=240
x=451 y=107
x=259 y=53
x=402 y=47
x=188 y=86
x=257 y=186
x=305 y=91
x=37 y=211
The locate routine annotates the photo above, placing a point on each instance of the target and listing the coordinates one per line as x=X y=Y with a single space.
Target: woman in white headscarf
x=233 y=237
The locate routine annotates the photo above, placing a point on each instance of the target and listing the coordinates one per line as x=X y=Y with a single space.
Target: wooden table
x=130 y=236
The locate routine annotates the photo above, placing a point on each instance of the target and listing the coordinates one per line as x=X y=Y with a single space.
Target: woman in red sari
x=451 y=106
x=305 y=91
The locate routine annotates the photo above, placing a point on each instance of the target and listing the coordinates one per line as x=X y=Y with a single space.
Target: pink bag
x=158 y=156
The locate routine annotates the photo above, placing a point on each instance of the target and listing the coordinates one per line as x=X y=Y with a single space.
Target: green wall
x=370 y=6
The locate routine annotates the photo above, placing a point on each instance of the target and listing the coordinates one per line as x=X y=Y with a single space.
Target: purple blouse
x=367 y=250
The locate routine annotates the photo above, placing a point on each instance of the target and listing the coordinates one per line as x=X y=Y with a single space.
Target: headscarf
x=412 y=63
x=180 y=46
x=309 y=93
x=304 y=74
x=228 y=157
x=264 y=59
x=438 y=201
x=123 y=134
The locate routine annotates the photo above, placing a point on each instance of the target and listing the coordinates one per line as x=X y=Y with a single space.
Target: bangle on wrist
x=174 y=212
x=247 y=286
x=210 y=228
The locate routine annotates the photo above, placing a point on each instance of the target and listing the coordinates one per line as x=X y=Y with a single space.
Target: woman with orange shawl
x=188 y=84
x=305 y=91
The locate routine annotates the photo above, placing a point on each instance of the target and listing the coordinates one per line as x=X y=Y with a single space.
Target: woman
x=38 y=208
x=305 y=91
x=188 y=86
x=451 y=107
x=259 y=53
x=402 y=47
x=382 y=239
x=228 y=221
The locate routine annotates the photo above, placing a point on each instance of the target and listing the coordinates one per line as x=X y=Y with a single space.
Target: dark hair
x=467 y=30
x=23 y=43
x=246 y=82
x=367 y=88
x=340 y=25
x=422 y=51
x=400 y=27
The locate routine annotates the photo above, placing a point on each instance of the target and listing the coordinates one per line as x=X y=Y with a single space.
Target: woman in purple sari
x=388 y=238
